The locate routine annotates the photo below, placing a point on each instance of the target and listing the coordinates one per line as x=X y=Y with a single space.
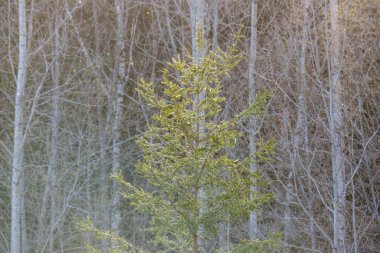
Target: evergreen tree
x=180 y=158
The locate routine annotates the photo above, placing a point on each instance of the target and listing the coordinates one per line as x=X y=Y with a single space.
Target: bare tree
x=18 y=137
x=302 y=125
x=253 y=225
x=336 y=127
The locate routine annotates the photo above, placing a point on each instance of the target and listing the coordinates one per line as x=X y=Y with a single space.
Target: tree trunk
x=194 y=243
x=302 y=121
x=289 y=199
x=50 y=187
x=336 y=127
x=224 y=236
x=52 y=169
x=120 y=84
x=197 y=16
x=103 y=208
x=18 y=144
x=24 y=239
x=215 y=9
x=252 y=226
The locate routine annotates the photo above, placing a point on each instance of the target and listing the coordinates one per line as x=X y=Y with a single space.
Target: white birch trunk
x=252 y=226
x=18 y=145
x=336 y=127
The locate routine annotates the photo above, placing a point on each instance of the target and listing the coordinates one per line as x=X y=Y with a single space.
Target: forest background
x=70 y=115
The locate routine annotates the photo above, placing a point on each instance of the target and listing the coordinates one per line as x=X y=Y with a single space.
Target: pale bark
x=197 y=17
x=24 y=238
x=302 y=122
x=18 y=145
x=224 y=231
x=252 y=226
x=288 y=226
x=215 y=10
x=225 y=236
x=336 y=127
x=289 y=194
x=116 y=138
x=299 y=158
x=299 y=154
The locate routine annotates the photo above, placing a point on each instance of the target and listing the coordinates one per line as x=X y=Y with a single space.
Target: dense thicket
x=81 y=115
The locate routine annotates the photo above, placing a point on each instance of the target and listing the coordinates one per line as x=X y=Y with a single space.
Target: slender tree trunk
x=288 y=226
x=310 y=205
x=120 y=84
x=288 y=215
x=215 y=9
x=194 y=243
x=18 y=145
x=197 y=17
x=336 y=127
x=103 y=127
x=253 y=226
x=224 y=236
x=24 y=239
x=298 y=157
x=51 y=179
x=224 y=226
x=103 y=165
x=54 y=127
x=224 y=232
x=302 y=119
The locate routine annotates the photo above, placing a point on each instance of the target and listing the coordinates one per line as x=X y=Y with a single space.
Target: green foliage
x=185 y=162
x=259 y=246
x=119 y=244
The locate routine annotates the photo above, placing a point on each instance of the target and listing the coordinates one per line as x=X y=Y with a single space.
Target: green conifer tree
x=180 y=158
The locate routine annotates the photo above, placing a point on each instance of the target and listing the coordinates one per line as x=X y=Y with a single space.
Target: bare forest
x=94 y=157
